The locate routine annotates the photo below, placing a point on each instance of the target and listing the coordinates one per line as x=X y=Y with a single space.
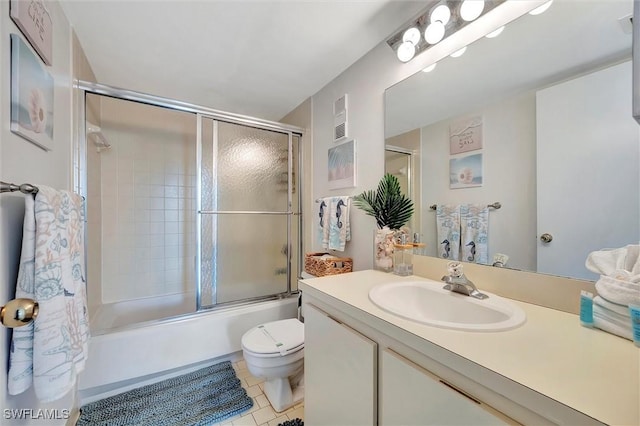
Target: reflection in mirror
x=560 y=149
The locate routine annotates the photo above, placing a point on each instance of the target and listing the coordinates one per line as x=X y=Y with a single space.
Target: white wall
x=22 y=161
x=365 y=83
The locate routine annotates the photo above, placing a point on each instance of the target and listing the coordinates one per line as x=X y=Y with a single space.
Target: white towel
x=52 y=350
x=323 y=222
x=618 y=291
x=622 y=263
x=614 y=307
x=474 y=225
x=448 y=231
x=612 y=322
x=339 y=226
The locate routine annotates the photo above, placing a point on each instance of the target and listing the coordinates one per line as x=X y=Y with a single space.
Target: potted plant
x=392 y=210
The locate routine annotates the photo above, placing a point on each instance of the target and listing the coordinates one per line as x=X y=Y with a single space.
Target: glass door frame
x=82 y=88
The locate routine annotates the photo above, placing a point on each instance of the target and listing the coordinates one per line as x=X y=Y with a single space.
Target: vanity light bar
x=434 y=27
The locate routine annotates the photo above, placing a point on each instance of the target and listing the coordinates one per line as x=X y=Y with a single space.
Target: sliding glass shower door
x=248 y=213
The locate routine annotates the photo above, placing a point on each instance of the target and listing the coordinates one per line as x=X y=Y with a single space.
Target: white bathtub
x=128 y=312
x=123 y=356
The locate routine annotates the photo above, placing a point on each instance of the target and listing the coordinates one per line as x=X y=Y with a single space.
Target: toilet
x=275 y=351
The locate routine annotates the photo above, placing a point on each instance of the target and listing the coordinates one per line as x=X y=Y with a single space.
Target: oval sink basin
x=427 y=303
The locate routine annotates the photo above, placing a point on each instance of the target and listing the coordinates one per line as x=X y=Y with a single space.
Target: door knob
x=546 y=238
x=18 y=312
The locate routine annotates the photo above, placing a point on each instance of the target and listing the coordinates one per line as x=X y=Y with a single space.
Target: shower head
x=94 y=132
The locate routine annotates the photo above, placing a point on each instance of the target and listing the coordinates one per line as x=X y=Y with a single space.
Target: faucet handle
x=455 y=269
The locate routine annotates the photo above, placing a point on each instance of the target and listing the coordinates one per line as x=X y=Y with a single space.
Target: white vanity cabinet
x=412 y=395
x=340 y=372
x=342 y=369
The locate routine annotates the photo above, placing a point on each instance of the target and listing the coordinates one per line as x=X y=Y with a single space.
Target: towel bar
x=25 y=188
x=495 y=205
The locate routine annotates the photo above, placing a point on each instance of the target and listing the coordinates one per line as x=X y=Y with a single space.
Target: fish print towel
x=51 y=351
x=339 y=226
x=474 y=221
x=323 y=222
x=448 y=231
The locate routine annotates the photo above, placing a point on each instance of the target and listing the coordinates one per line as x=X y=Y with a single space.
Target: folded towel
x=622 y=263
x=448 y=231
x=339 y=226
x=612 y=322
x=614 y=307
x=52 y=350
x=323 y=223
x=617 y=291
x=474 y=223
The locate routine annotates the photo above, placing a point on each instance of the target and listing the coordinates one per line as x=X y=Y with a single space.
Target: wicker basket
x=314 y=264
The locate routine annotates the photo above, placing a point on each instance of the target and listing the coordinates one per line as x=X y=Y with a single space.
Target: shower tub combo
x=193 y=232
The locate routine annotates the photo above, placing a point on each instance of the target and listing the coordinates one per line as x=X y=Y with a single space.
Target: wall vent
x=340 y=128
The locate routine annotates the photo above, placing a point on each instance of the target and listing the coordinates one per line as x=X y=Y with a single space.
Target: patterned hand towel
x=339 y=226
x=52 y=350
x=474 y=221
x=323 y=223
x=448 y=231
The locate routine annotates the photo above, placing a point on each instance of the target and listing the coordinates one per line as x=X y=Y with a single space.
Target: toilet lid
x=277 y=337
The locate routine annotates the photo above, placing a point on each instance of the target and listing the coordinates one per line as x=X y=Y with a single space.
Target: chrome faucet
x=459 y=283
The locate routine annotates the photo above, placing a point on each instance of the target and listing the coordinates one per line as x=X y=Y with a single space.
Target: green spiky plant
x=387 y=204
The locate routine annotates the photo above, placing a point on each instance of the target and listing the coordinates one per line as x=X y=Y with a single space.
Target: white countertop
x=586 y=369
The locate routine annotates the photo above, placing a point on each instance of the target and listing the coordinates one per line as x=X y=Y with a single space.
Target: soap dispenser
x=403 y=257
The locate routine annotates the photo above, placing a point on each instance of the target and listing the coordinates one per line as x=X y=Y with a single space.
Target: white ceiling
x=260 y=58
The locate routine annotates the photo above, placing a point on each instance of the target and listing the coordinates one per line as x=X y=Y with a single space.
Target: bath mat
x=203 y=397
x=294 y=422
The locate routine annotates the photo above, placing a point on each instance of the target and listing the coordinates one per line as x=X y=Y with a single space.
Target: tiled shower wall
x=148 y=180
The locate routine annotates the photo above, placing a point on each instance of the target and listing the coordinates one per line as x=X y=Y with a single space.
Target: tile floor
x=261 y=413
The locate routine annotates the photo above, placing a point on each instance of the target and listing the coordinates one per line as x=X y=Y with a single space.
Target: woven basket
x=314 y=264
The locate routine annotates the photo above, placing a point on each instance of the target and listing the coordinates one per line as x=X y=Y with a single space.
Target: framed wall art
x=33 y=19
x=31 y=96
x=342 y=165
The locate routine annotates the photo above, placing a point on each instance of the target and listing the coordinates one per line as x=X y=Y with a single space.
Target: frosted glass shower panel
x=251 y=256
x=251 y=169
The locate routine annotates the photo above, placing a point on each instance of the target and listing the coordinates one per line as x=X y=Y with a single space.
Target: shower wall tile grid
x=148 y=221
x=262 y=413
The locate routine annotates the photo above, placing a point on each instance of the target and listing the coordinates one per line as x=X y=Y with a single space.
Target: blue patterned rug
x=202 y=397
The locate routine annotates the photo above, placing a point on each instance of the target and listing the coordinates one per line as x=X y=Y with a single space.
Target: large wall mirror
x=551 y=99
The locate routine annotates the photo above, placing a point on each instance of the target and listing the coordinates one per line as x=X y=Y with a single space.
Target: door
x=586 y=124
x=411 y=395
x=339 y=374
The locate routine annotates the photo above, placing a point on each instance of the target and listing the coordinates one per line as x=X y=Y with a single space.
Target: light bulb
x=495 y=33
x=406 y=51
x=430 y=68
x=540 y=9
x=471 y=9
x=434 y=32
x=412 y=35
x=440 y=13
x=458 y=53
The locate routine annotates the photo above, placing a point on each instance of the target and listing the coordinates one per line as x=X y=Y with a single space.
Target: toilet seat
x=274 y=339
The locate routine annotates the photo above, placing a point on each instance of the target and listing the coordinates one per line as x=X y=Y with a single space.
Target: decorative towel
x=618 y=291
x=612 y=322
x=622 y=263
x=323 y=222
x=619 y=309
x=51 y=351
x=339 y=226
x=448 y=231
x=474 y=221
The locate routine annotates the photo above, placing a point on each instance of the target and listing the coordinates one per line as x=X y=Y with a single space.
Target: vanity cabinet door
x=339 y=373
x=411 y=395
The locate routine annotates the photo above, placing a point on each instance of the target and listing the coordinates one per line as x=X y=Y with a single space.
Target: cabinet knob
x=546 y=238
